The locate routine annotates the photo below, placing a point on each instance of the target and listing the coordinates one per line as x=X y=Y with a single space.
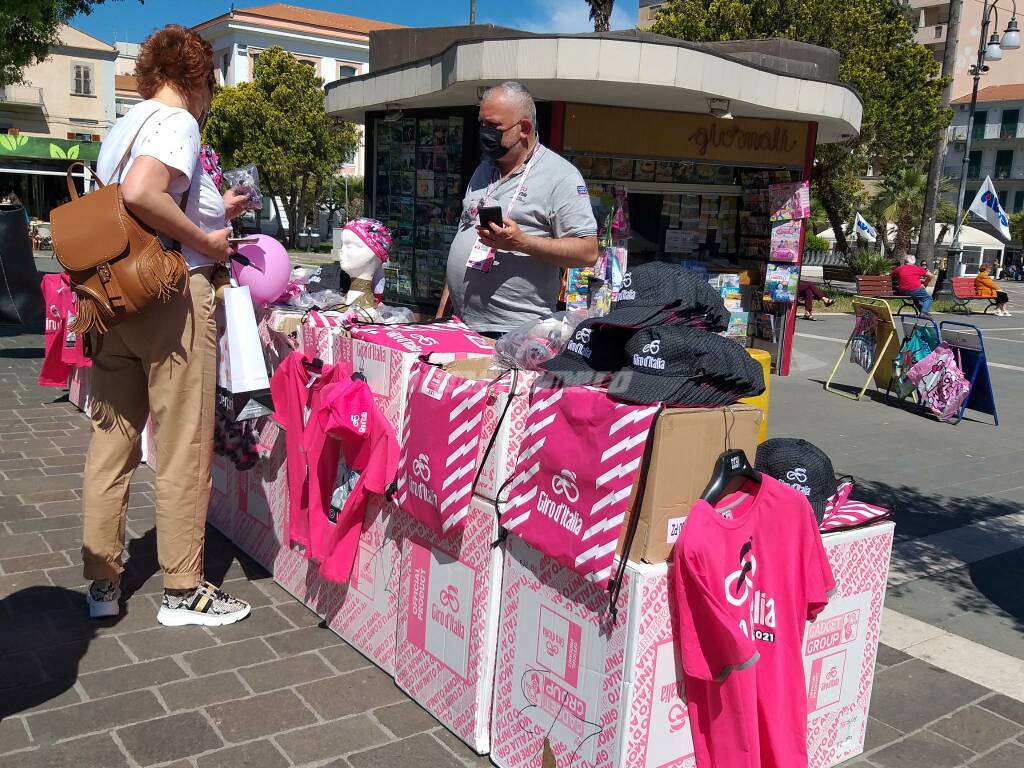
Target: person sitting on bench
x=808 y=292
x=911 y=281
x=986 y=287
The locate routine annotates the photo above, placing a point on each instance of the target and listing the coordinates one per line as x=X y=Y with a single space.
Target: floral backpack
x=941 y=382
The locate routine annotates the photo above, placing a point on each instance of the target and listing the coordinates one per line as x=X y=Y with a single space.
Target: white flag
x=986 y=206
x=864 y=229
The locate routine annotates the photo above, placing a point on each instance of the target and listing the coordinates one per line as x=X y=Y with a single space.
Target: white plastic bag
x=243 y=386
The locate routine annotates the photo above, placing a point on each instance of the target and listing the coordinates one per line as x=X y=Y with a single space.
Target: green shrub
x=867 y=262
x=813 y=242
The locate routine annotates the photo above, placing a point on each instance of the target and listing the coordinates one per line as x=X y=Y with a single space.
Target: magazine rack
x=884 y=349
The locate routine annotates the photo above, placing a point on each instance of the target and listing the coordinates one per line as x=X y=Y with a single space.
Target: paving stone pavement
x=276 y=690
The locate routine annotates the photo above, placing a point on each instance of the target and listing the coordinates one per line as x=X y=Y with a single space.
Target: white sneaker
x=1007 y=314
x=205 y=605
x=104 y=599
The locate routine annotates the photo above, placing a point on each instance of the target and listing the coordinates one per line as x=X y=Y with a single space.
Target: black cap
x=801 y=465
x=685 y=366
x=593 y=353
x=658 y=293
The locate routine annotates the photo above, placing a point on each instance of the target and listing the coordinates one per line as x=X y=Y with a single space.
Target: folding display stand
x=884 y=347
x=968 y=341
x=898 y=384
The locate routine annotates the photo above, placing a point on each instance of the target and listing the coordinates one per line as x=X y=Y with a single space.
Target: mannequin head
x=357 y=259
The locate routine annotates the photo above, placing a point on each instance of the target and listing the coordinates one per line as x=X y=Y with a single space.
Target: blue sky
x=128 y=20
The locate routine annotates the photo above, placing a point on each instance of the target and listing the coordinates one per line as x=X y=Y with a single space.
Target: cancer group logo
x=564 y=484
x=450 y=598
x=421 y=467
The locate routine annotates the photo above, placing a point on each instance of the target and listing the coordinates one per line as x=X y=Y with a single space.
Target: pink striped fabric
x=440 y=447
x=451 y=337
x=580 y=457
x=843 y=512
x=320 y=320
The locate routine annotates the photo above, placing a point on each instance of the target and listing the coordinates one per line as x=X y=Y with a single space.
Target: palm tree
x=601 y=14
x=900 y=202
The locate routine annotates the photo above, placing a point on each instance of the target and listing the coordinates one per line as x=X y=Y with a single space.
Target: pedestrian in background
x=986 y=287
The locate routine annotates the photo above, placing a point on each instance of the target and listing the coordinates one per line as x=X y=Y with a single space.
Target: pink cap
x=374 y=234
x=347 y=414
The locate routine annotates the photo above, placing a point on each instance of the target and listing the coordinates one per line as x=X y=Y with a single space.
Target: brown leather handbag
x=117 y=264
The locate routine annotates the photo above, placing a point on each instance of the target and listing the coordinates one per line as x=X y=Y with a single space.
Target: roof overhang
x=628 y=73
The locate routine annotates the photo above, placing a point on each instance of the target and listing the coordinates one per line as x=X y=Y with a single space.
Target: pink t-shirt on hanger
x=747 y=575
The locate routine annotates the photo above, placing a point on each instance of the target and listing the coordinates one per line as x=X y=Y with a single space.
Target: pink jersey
x=747 y=576
x=312 y=458
x=57 y=298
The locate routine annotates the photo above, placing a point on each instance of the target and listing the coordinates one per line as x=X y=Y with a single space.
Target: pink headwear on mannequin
x=376 y=236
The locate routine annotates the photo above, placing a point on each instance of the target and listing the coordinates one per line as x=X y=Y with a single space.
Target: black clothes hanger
x=732 y=465
x=316 y=365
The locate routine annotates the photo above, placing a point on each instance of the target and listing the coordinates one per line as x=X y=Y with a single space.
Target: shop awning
x=639 y=71
x=47 y=148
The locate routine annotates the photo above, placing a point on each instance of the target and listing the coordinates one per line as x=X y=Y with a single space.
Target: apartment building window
x=346 y=70
x=1004 y=163
x=1008 y=129
x=1018 y=201
x=980 y=118
x=974 y=165
x=969 y=196
x=81 y=80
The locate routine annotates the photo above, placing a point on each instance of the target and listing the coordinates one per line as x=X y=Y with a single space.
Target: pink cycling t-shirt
x=909 y=277
x=747 y=576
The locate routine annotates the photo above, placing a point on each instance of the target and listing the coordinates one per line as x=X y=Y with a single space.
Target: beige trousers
x=162 y=363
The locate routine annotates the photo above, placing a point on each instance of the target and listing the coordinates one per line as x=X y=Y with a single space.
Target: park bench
x=964 y=294
x=881 y=287
x=835 y=273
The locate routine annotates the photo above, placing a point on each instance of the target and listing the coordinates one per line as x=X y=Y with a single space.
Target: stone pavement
x=278 y=690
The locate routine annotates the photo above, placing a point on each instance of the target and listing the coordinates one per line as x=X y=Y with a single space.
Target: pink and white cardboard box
x=262 y=497
x=448 y=621
x=363 y=612
x=78 y=388
x=611 y=696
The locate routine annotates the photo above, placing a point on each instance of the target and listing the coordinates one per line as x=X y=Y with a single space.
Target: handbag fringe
x=160 y=273
x=90 y=316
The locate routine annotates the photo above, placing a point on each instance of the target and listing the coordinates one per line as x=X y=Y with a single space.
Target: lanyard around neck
x=534 y=154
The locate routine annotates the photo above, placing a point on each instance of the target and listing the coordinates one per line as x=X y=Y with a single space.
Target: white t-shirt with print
x=170 y=135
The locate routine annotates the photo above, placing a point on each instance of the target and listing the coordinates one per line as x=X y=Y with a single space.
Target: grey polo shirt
x=554 y=202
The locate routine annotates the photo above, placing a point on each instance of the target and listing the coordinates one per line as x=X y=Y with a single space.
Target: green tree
x=897 y=79
x=342 y=195
x=278 y=122
x=1017 y=226
x=29 y=28
x=900 y=202
x=601 y=14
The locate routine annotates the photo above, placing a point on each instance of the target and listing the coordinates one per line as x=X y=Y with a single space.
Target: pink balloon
x=268 y=270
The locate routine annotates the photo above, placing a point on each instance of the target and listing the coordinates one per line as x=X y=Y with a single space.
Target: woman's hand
x=235 y=201
x=217 y=246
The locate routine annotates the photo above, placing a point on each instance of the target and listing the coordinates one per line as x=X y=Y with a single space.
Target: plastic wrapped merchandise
x=537 y=341
x=246 y=179
x=392 y=315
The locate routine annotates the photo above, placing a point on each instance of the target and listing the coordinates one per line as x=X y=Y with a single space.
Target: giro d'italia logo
x=421 y=467
x=564 y=484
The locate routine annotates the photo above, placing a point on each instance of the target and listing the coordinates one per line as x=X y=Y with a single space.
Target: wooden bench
x=835 y=272
x=881 y=287
x=963 y=295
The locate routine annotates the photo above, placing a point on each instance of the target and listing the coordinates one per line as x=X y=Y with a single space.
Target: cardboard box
x=221 y=513
x=500 y=462
x=448 y=622
x=688 y=442
x=363 y=612
x=263 y=499
x=610 y=696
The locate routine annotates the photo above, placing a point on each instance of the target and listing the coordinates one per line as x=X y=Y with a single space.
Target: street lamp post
x=991 y=51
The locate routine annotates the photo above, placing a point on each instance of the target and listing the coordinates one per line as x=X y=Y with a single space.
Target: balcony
x=933 y=34
x=956 y=133
x=28 y=97
x=918 y=4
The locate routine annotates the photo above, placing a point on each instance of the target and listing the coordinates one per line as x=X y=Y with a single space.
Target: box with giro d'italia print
x=610 y=695
x=448 y=621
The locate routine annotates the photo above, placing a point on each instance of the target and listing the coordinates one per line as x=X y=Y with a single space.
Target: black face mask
x=490 y=142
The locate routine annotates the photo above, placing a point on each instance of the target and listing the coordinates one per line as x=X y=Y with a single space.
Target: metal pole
x=472 y=12
x=954 y=248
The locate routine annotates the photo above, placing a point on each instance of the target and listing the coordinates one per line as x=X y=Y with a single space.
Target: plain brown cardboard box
x=688 y=441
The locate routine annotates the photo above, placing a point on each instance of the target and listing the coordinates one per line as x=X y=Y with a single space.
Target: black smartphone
x=240 y=240
x=491 y=214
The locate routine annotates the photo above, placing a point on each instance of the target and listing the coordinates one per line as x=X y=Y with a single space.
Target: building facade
x=997 y=146
x=931 y=24
x=648 y=13
x=61 y=113
x=335 y=45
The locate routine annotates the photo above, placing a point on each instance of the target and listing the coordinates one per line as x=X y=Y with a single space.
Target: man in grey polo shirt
x=502 y=276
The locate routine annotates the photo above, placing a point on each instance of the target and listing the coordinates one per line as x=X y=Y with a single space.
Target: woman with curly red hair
x=162 y=364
